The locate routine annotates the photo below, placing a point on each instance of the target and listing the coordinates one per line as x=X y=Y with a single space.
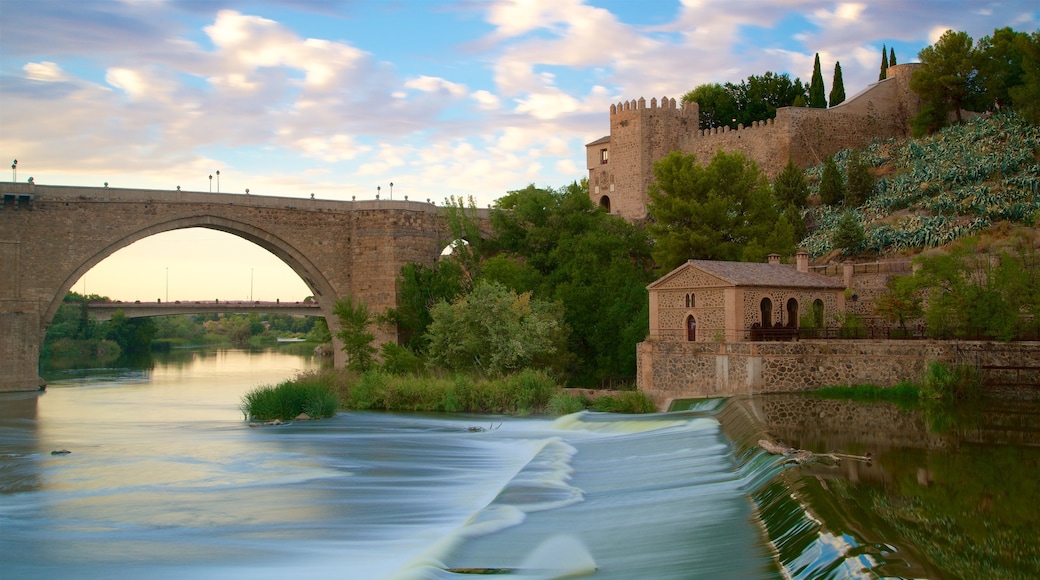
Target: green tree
x=712 y=212
x=884 y=64
x=716 y=104
x=492 y=330
x=860 y=180
x=354 y=320
x=790 y=186
x=901 y=301
x=561 y=247
x=466 y=238
x=947 y=77
x=133 y=335
x=1000 y=64
x=832 y=188
x=1026 y=96
x=891 y=58
x=759 y=96
x=419 y=288
x=848 y=234
x=837 y=95
x=817 y=91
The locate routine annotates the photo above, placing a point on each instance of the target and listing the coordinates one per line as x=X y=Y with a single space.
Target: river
x=165 y=479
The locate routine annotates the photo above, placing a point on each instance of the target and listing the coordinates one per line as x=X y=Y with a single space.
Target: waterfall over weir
x=165 y=480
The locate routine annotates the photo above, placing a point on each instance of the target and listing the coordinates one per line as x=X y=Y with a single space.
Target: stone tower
x=621 y=165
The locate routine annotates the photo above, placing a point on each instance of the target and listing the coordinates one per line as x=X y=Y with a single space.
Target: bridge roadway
x=51 y=235
x=102 y=311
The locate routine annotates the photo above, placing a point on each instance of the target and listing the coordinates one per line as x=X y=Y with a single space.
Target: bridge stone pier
x=51 y=235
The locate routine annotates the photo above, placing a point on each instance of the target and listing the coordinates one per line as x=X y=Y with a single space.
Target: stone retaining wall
x=675 y=370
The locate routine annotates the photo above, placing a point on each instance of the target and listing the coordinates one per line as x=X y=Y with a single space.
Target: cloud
x=45 y=71
x=486 y=100
x=436 y=85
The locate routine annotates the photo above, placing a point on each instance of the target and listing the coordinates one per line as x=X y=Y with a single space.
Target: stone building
x=715 y=301
x=621 y=164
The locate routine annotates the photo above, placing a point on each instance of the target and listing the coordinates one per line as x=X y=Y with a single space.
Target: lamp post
x=218 y=181
x=378 y=188
x=391 y=191
x=211 y=183
x=14 y=170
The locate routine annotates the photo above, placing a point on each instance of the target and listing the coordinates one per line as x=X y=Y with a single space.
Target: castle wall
x=641 y=136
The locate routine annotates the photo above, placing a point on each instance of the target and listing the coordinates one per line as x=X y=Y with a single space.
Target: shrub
x=943 y=382
x=625 y=402
x=312 y=394
x=566 y=404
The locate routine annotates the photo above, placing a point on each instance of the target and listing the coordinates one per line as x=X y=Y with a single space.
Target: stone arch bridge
x=51 y=235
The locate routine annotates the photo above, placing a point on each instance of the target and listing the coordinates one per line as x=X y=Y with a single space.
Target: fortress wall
x=641 y=135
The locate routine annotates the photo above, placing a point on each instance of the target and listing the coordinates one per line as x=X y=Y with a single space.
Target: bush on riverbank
x=523 y=393
x=940 y=382
x=310 y=393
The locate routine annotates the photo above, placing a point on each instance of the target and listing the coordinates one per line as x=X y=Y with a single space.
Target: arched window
x=691 y=328
x=604 y=202
x=693 y=300
x=792 y=313
x=817 y=313
x=767 y=313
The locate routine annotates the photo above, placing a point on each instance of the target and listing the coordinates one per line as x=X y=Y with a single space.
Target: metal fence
x=874 y=333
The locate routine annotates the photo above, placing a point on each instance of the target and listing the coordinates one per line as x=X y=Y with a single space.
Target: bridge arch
x=311 y=275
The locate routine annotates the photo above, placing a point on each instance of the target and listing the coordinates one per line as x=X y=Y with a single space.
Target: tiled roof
x=599 y=141
x=758 y=274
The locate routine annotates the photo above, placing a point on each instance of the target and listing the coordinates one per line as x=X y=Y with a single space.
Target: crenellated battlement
x=640 y=104
x=641 y=133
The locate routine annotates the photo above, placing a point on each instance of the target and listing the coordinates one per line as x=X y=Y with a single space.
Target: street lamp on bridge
x=391 y=191
x=218 y=181
x=211 y=183
x=14 y=170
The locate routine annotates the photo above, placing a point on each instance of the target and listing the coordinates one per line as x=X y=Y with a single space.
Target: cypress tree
x=884 y=63
x=861 y=180
x=817 y=98
x=832 y=188
x=837 y=86
x=848 y=234
x=892 y=56
x=790 y=187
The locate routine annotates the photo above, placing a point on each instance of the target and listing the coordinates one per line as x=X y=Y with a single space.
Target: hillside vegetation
x=934 y=190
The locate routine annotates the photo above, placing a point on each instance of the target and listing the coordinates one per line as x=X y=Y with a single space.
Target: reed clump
x=311 y=393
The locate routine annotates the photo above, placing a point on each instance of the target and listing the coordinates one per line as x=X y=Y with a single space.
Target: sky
x=341 y=97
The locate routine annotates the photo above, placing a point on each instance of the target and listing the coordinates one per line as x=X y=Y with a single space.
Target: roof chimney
x=774 y=259
x=802 y=261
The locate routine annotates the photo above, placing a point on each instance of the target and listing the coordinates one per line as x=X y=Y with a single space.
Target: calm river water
x=165 y=479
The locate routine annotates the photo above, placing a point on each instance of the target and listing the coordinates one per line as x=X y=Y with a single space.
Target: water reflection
x=951 y=492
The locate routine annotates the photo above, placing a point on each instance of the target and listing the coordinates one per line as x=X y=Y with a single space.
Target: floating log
x=802 y=456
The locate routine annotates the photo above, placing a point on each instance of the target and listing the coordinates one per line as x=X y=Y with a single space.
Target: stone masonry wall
x=671 y=370
x=642 y=135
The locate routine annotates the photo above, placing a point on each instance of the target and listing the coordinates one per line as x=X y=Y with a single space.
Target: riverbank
x=529 y=392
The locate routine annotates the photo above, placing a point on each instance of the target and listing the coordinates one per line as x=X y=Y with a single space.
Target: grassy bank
x=940 y=382
x=524 y=393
